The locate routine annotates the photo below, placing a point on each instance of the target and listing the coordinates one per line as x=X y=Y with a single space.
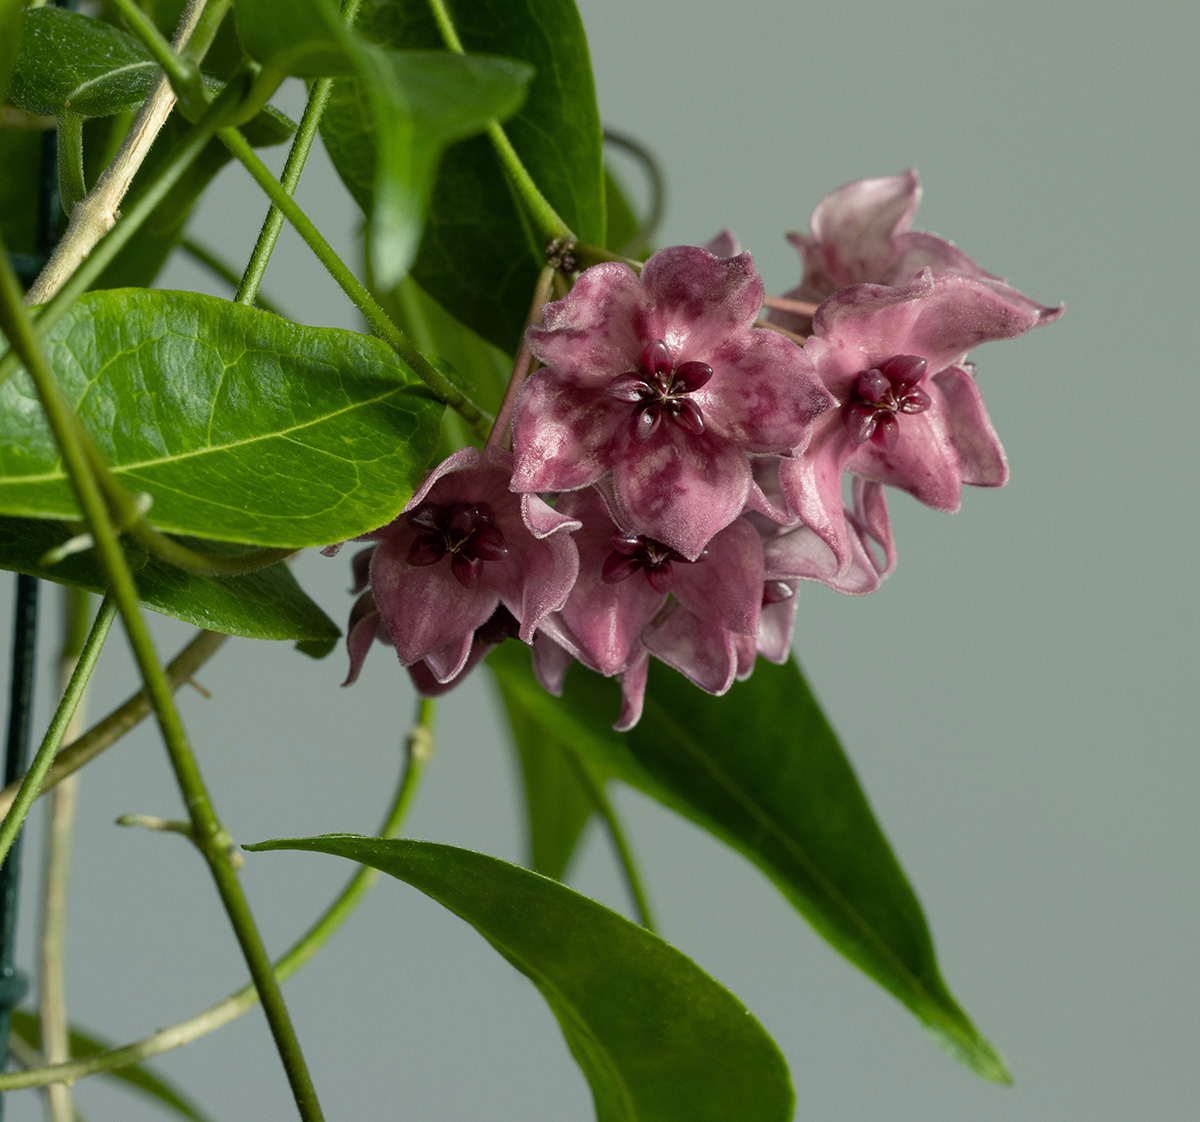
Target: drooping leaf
x=762 y=770
x=421 y=102
x=241 y=426
x=657 y=1038
x=28 y=1027
x=71 y=61
x=264 y=604
x=479 y=257
x=557 y=805
x=413 y=104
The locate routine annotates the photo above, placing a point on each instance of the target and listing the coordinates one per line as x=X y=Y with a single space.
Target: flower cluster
x=678 y=463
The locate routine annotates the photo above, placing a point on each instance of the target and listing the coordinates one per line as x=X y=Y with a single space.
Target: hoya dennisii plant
x=616 y=528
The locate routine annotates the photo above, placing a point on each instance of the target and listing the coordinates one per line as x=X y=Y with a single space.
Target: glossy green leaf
x=762 y=770
x=557 y=805
x=28 y=1027
x=70 y=61
x=657 y=1038
x=264 y=604
x=478 y=257
x=241 y=426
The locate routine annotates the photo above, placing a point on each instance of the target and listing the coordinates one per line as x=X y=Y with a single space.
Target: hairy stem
x=97 y=213
x=302 y=144
x=210 y=836
x=375 y=316
x=418 y=752
x=183 y=75
x=126 y=716
x=547 y=220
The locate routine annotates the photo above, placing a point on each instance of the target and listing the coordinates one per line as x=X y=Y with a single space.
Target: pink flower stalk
x=909 y=413
x=463 y=546
x=662 y=380
x=859 y=234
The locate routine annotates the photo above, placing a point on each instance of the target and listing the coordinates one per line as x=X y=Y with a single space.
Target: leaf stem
x=71 y=185
x=418 y=752
x=375 y=316
x=221 y=268
x=548 y=221
x=126 y=716
x=302 y=142
x=211 y=837
x=616 y=832
x=31 y=783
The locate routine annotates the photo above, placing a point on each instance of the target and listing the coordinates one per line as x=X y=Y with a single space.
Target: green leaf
x=478 y=257
x=657 y=1038
x=28 y=1027
x=241 y=426
x=557 y=804
x=20 y=173
x=69 y=61
x=303 y=38
x=421 y=102
x=762 y=770
x=264 y=604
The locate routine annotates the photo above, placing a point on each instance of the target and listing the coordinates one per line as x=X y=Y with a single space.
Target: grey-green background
x=1019 y=698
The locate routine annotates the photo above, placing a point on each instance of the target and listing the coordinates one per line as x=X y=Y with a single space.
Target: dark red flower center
x=466 y=531
x=661 y=389
x=633 y=551
x=880 y=394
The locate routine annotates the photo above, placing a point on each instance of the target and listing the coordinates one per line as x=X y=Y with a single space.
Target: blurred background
x=1019 y=699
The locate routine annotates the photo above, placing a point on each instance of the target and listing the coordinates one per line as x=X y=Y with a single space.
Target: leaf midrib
x=53 y=477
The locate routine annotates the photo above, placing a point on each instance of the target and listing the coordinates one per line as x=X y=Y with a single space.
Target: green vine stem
x=375 y=316
x=31 y=783
x=548 y=221
x=600 y=800
x=418 y=752
x=302 y=142
x=210 y=836
x=126 y=716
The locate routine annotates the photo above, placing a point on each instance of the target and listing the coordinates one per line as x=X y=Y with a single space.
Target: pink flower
x=909 y=413
x=662 y=380
x=464 y=545
x=860 y=234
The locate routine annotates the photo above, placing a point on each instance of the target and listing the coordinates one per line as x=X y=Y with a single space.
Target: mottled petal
x=592 y=334
x=633 y=691
x=695 y=299
x=980 y=457
x=922 y=461
x=726 y=586
x=551 y=661
x=681 y=490
x=775 y=630
x=725 y=244
x=361 y=632
x=812 y=485
x=699 y=649
x=565 y=435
